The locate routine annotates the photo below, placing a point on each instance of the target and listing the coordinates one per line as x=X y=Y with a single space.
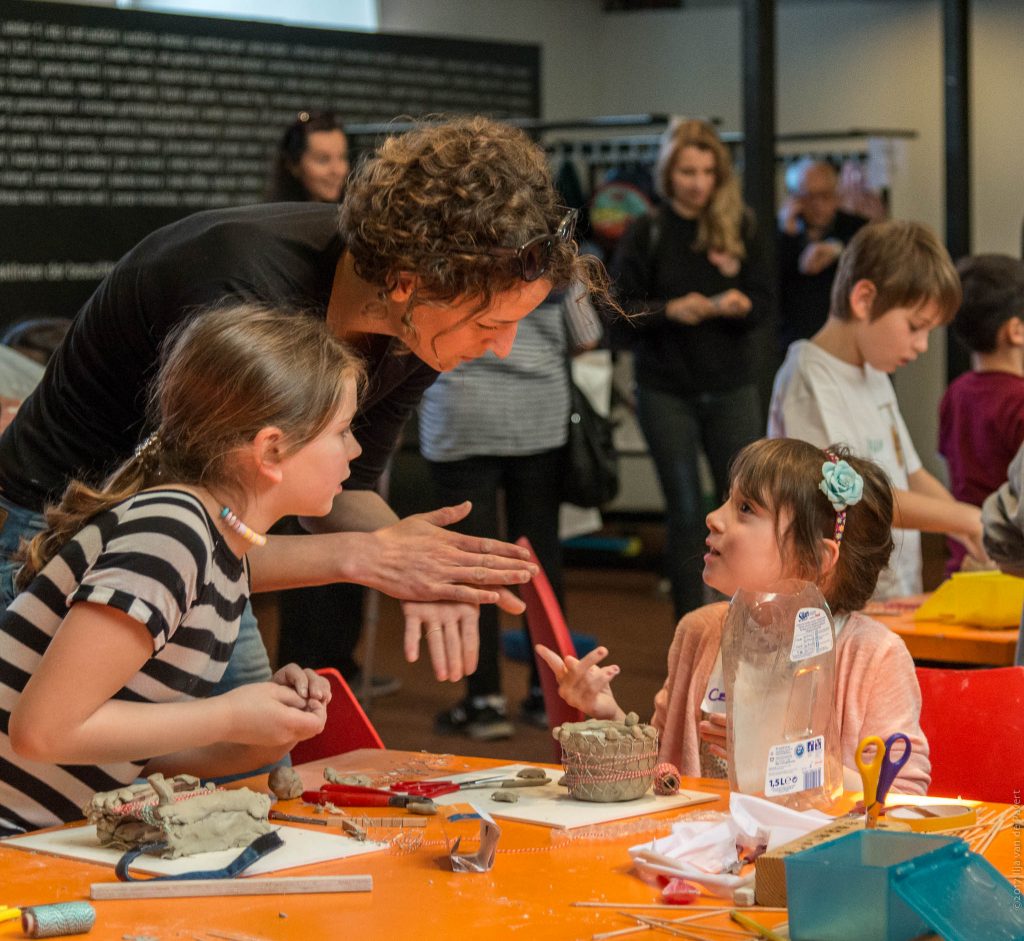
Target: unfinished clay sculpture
x=608 y=761
x=179 y=815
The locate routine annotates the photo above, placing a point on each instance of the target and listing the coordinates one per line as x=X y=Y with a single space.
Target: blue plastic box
x=876 y=885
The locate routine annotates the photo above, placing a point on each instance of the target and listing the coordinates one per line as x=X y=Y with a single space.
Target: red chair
x=974 y=723
x=546 y=625
x=347 y=726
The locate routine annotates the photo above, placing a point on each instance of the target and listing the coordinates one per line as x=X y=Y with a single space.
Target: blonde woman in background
x=694 y=272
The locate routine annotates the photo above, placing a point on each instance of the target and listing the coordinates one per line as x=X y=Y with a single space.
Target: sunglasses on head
x=534 y=256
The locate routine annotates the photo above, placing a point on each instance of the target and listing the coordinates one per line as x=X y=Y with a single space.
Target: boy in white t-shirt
x=895 y=284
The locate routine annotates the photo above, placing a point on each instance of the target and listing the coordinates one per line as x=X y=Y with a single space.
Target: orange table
x=948 y=643
x=527 y=894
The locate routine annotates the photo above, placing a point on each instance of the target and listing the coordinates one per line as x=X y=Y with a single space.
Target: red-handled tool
x=350 y=795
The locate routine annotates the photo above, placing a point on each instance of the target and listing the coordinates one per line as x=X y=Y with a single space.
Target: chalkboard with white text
x=115 y=122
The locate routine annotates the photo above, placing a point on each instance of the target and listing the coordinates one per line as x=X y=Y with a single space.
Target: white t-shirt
x=823 y=400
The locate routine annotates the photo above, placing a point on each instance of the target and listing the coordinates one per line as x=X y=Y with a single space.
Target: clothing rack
x=607 y=150
x=604 y=150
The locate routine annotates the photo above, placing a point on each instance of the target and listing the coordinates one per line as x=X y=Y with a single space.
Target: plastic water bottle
x=779 y=665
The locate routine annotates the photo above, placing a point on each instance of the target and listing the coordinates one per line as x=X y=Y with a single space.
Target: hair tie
x=149 y=446
x=843 y=487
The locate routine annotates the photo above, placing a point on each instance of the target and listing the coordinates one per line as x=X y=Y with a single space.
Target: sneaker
x=532 y=711
x=483 y=719
x=379 y=686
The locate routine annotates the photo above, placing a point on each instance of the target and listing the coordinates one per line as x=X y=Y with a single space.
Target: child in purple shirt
x=981 y=418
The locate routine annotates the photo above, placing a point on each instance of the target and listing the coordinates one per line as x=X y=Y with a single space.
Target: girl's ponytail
x=80 y=503
x=224 y=374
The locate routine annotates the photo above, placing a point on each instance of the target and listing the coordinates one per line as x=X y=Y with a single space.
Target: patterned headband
x=843 y=487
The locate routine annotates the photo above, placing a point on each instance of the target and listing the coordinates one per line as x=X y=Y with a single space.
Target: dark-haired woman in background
x=311 y=164
x=322 y=623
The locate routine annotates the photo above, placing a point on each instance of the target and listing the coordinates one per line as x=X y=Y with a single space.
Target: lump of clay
x=608 y=761
x=505 y=797
x=356 y=780
x=179 y=815
x=285 y=782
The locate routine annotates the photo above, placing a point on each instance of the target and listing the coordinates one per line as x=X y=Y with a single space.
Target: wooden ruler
x=187 y=888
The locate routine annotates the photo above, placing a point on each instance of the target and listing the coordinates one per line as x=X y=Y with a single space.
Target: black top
x=713 y=356
x=804 y=298
x=88 y=413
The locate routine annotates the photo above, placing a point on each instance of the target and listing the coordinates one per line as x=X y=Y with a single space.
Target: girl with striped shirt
x=131 y=598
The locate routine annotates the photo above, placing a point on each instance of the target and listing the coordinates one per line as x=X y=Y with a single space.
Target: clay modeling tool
x=295 y=818
x=762 y=932
x=437 y=788
x=189 y=888
x=672 y=926
x=349 y=795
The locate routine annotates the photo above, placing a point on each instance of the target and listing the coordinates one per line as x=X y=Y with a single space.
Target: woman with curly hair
x=694 y=273
x=448 y=237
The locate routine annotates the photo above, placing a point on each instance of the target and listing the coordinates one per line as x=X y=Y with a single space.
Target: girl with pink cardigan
x=793 y=511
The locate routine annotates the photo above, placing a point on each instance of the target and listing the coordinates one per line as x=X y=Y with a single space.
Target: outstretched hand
x=451 y=631
x=583 y=684
x=417 y=559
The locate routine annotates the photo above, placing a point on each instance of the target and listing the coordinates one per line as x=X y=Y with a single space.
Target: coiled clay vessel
x=607 y=761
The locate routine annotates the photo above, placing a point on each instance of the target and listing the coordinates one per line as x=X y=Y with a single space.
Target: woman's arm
x=66 y=713
x=414 y=559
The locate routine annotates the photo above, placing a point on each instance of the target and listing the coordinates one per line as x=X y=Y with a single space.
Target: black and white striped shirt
x=158 y=557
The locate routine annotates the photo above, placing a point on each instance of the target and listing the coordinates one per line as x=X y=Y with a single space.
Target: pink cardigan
x=876 y=692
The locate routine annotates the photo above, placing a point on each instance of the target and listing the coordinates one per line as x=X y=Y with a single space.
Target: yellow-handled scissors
x=879 y=773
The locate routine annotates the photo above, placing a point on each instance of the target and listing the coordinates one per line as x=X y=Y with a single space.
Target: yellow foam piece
x=990 y=600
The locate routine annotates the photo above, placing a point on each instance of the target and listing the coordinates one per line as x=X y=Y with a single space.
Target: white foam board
x=301 y=848
x=551 y=806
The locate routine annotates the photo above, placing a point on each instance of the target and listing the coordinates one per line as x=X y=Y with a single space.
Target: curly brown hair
x=784 y=474
x=433 y=200
x=720 y=226
x=224 y=374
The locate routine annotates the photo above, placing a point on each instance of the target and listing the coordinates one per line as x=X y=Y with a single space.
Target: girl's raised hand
x=712 y=731
x=309 y=684
x=583 y=684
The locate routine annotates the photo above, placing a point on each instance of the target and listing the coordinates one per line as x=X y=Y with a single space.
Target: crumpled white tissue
x=700 y=850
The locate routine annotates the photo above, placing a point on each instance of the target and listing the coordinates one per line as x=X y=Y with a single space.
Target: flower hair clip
x=843 y=487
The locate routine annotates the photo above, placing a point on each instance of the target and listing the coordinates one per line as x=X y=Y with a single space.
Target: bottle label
x=795 y=766
x=812 y=634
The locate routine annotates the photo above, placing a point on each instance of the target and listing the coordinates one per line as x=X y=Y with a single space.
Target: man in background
x=813 y=231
